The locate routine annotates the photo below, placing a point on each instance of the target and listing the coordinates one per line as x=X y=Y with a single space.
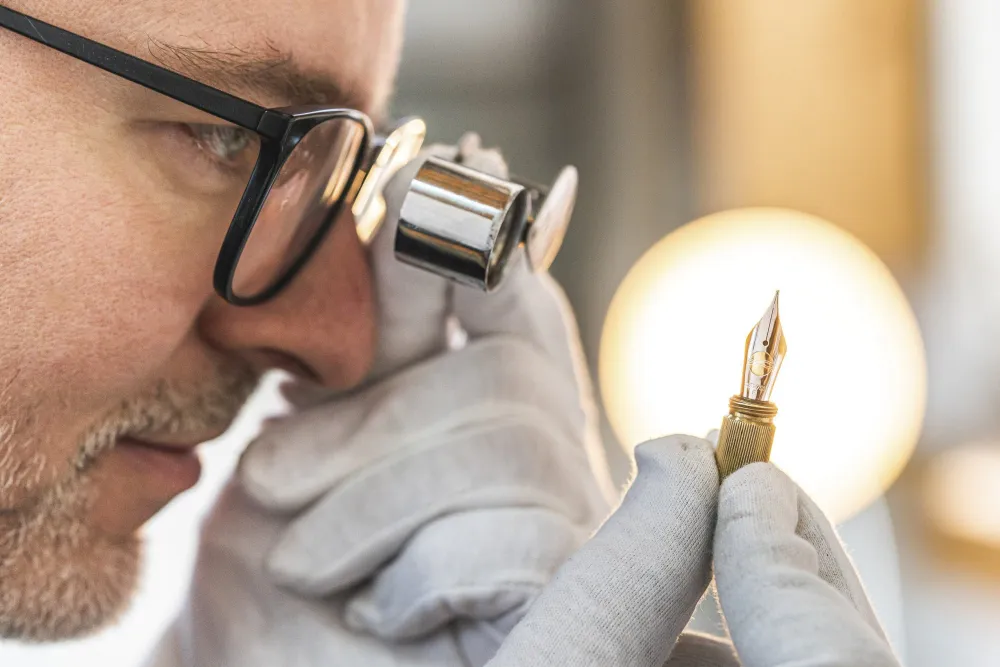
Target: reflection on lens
x=310 y=186
x=399 y=148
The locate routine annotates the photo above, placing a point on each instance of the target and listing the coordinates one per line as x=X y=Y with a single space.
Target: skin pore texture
x=117 y=358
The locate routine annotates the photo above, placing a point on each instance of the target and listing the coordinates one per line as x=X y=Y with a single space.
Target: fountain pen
x=748 y=430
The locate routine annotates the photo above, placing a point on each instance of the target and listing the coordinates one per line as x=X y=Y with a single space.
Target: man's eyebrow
x=265 y=75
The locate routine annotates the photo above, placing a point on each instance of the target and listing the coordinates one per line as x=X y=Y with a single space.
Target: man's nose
x=322 y=325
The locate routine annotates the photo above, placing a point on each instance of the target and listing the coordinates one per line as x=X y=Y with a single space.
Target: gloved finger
x=481 y=565
x=237 y=617
x=295 y=460
x=487 y=160
x=835 y=566
x=534 y=308
x=786 y=588
x=627 y=594
x=412 y=303
x=528 y=305
x=350 y=532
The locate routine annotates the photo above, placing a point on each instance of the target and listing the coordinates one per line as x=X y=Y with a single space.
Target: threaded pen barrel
x=746 y=435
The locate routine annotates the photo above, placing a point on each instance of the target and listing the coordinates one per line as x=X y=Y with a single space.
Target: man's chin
x=70 y=562
x=62 y=579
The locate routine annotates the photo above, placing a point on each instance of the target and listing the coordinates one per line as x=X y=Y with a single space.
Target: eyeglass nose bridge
x=467 y=226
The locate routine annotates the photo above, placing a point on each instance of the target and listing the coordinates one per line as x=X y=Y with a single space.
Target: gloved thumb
x=412 y=304
x=625 y=597
x=787 y=588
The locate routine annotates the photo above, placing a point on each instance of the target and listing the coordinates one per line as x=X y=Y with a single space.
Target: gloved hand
x=788 y=591
x=454 y=485
x=621 y=600
x=443 y=493
x=625 y=597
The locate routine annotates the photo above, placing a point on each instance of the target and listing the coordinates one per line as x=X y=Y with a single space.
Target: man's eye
x=232 y=147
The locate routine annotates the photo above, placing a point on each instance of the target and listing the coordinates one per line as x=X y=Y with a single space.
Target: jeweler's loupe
x=461 y=223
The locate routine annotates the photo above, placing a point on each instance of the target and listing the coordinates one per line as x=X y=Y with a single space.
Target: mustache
x=168 y=408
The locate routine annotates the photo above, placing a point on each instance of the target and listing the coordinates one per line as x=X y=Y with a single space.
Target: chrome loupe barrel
x=458 y=222
x=466 y=225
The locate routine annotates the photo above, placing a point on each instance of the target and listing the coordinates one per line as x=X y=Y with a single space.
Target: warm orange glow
x=962 y=494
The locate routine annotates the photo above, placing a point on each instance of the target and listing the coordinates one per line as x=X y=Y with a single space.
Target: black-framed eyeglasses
x=296 y=167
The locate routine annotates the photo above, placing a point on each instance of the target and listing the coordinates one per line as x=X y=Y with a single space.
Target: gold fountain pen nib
x=765 y=350
x=748 y=430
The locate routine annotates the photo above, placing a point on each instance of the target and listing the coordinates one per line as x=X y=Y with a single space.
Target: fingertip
x=672 y=448
x=757 y=477
x=362 y=615
x=255 y=472
x=283 y=569
x=757 y=469
x=687 y=457
x=487 y=160
x=291 y=565
x=759 y=493
x=268 y=479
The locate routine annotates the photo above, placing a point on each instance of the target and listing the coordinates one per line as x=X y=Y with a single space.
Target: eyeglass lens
x=308 y=190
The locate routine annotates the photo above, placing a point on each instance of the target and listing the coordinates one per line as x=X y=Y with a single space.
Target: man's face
x=113 y=339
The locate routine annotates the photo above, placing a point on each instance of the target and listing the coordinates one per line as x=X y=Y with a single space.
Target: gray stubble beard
x=59 y=577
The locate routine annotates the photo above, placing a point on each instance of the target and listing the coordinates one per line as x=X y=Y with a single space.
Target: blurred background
x=882 y=118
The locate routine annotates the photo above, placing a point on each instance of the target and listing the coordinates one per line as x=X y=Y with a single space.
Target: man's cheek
x=83 y=331
x=101 y=329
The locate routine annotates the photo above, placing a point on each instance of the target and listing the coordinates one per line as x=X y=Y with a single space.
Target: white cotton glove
x=625 y=597
x=414 y=520
x=454 y=485
x=620 y=601
x=788 y=591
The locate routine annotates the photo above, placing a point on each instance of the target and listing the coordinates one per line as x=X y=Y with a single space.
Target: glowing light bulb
x=853 y=385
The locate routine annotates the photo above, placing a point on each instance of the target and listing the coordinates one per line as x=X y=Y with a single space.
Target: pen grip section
x=746 y=435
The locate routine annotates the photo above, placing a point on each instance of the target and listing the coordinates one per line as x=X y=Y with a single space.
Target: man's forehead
x=340 y=52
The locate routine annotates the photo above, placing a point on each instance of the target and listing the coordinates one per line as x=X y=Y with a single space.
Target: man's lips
x=173 y=467
x=135 y=480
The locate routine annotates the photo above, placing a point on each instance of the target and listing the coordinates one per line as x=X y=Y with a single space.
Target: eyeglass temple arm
x=194 y=93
